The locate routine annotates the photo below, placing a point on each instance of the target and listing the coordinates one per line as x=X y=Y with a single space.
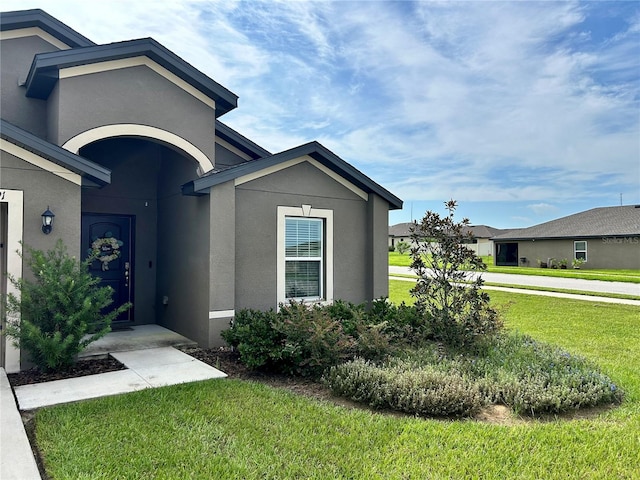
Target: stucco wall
x=183 y=253
x=602 y=252
x=135 y=95
x=17 y=55
x=41 y=189
x=256 y=230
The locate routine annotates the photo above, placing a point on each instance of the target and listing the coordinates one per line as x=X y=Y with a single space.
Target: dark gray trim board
x=315 y=150
x=43 y=74
x=41 y=19
x=241 y=142
x=89 y=171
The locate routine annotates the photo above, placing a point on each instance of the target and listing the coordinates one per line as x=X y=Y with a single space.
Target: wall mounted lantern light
x=47 y=221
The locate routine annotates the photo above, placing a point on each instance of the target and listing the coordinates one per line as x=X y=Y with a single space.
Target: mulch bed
x=78 y=369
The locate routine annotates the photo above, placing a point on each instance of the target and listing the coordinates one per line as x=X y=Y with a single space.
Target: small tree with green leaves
x=448 y=290
x=61 y=311
x=403 y=247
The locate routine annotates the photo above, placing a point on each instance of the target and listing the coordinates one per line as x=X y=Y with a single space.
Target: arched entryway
x=153 y=239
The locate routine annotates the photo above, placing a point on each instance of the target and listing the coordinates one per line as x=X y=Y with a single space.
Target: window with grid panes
x=304 y=248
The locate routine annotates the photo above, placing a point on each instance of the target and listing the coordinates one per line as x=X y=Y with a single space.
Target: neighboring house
x=400 y=233
x=606 y=237
x=123 y=144
x=481 y=243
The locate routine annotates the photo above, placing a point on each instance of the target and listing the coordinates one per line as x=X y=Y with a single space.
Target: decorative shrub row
x=402 y=386
x=530 y=377
x=307 y=339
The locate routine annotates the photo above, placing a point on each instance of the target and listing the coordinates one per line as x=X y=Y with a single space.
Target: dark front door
x=110 y=238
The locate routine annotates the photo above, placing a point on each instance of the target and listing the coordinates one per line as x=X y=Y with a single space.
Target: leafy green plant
x=313 y=340
x=448 y=290
x=403 y=386
x=403 y=247
x=306 y=339
x=60 y=311
x=252 y=332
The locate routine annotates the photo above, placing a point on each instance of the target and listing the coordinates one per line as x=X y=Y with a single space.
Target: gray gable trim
x=41 y=19
x=240 y=142
x=313 y=149
x=43 y=74
x=91 y=173
x=597 y=222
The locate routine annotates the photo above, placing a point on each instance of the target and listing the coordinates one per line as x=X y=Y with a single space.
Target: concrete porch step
x=135 y=338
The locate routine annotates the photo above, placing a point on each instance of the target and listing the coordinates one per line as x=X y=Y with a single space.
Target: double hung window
x=304 y=245
x=305 y=254
x=580 y=250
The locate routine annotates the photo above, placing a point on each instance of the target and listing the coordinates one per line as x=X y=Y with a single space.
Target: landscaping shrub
x=448 y=290
x=253 y=334
x=532 y=377
x=313 y=340
x=306 y=339
x=61 y=311
x=403 y=247
x=403 y=386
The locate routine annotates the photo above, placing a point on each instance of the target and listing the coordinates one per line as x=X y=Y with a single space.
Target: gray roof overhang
x=240 y=142
x=41 y=19
x=315 y=150
x=92 y=174
x=43 y=74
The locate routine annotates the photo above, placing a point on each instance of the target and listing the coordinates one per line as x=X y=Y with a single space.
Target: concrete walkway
x=16 y=459
x=150 y=360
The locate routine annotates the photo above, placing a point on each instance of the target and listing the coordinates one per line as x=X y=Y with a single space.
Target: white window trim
x=576 y=251
x=308 y=212
x=15 y=201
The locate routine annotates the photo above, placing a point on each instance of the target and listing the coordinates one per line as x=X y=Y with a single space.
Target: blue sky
x=521 y=111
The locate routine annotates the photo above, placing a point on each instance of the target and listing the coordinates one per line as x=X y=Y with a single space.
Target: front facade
x=124 y=144
x=600 y=238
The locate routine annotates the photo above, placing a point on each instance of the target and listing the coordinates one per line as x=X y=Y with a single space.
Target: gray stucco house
x=123 y=143
x=605 y=237
x=482 y=243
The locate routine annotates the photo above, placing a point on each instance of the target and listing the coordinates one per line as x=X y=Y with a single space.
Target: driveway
x=548 y=282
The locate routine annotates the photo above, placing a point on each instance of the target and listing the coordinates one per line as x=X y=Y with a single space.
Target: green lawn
x=235 y=429
x=629 y=276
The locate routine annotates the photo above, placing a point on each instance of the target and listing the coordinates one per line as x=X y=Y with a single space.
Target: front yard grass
x=237 y=429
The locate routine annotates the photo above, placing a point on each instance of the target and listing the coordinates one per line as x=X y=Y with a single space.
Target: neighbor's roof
x=597 y=222
x=401 y=229
x=45 y=68
x=91 y=173
x=41 y=19
x=314 y=150
x=478 y=231
x=484 y=231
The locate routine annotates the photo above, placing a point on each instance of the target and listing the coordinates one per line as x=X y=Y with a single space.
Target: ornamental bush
x=406 y=387
x=449 y=291
x=306 y=339
x=60 y=311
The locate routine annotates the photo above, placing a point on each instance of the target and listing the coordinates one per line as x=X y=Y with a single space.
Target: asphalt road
x=548 y=282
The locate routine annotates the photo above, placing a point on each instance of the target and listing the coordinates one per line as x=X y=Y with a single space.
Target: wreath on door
x=106 y=249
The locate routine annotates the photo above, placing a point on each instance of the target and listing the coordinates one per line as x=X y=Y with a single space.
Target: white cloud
x=479 y=101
